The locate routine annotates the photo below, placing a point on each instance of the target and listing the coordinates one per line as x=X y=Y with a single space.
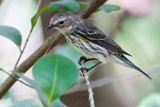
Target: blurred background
x=135 y=27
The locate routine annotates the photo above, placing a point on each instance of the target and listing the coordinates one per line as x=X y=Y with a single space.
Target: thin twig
x=15 y=78
x=23 y=49
x=26 y=42
x=90 y=91
x=49 y=47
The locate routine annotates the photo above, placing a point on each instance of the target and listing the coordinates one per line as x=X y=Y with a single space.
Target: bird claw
x=82 y=60
x=83 y=70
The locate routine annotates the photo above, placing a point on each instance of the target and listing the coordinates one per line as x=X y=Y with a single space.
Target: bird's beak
x=50 y=27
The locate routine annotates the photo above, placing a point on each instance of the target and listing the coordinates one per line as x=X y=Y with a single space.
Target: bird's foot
x=83 y=70
x=82 y=60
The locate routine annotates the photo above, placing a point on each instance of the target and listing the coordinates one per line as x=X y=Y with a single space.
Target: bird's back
x=91 y=33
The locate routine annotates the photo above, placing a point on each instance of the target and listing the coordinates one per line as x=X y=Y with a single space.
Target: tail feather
x=132 y=65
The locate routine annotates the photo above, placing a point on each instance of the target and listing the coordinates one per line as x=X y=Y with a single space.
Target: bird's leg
x=94 y=65
x=83 y=60
x=90 y=68
x=84 y=69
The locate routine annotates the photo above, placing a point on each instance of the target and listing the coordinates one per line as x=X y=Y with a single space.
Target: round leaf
x=54 y=74
x=83 y=4
x=109 y=8
x=71 y=5
x=54 y=6
x=11 y=33
x=68 y=5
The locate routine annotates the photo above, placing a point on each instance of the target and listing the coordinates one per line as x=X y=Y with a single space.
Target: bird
x=89 y=40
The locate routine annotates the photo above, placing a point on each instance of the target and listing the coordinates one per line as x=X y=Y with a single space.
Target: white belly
x=88 y=49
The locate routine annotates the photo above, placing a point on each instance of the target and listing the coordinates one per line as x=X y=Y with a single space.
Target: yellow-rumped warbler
x=90 y=41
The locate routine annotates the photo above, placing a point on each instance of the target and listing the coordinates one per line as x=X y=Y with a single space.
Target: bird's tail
x=124 y=61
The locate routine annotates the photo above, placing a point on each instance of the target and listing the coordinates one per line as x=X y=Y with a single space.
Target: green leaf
x=54 y=6
x=71 y=5
x=67 y=5
x=11 y=33
x=54 y=74
x=83 y=4
x=109 y=8
x=38 y=13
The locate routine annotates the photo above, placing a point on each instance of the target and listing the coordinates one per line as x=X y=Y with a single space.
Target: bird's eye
x=61 y=22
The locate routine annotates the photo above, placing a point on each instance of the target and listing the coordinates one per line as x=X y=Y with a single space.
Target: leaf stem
x=23 y=49
x=25 y=44
x=4 y=71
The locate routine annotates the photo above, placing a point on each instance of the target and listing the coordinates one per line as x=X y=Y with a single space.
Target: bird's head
x=62 y=21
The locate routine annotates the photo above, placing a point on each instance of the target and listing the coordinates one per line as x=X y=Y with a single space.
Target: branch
x=1 y=1
x=24 y=83
x=54 y=39
x=91 y=8
x=90 y=90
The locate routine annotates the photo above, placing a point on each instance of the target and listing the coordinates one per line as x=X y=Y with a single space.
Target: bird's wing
x=95 y=35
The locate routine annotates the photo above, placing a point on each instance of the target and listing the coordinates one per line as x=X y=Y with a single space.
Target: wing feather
x=88 y=31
